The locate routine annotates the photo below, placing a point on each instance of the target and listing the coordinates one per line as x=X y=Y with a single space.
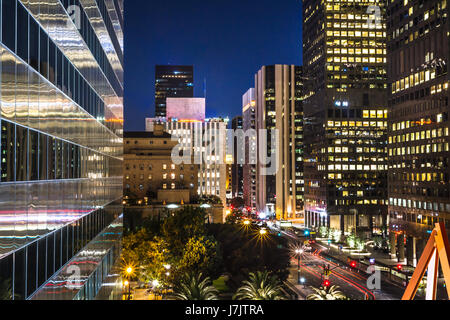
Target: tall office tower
x=345 y=112
x=278 y=91
x=172 y=82
x=61 y=148
x=237 y=173
x=249 y=169
x=419 y=171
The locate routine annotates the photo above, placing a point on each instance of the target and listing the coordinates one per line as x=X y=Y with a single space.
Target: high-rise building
x=345 y=114
x=172 y=82
x=418 y=77
x=237 y=169
x=278 y=90
x=61 y=148
x=249 y=168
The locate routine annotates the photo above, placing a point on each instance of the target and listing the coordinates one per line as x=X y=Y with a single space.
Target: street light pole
x=299 y=253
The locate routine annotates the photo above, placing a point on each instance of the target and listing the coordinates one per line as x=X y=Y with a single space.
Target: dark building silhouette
x=172 y=82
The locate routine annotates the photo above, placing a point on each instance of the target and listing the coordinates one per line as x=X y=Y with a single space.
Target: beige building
x=278 y=90
x=211 y=162
x=149 y=174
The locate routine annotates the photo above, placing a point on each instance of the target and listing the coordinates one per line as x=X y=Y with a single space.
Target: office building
x=278 y=90
x=61 y=149
x=203 y=142
x=418 y=77
x=249 y=167
x=150 y=176
x=345 y=115
x=172 y=82
x=237 y=168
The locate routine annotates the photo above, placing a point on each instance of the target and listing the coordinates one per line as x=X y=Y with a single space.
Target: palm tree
x=261 y=286
x=193 y=287
x=327 y=293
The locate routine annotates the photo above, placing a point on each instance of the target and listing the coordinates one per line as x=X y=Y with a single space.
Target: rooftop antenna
x=204 y=88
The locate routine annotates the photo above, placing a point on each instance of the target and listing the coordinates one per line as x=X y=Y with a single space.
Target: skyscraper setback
x=345 y=105
x=61 y=147
x=172 y=82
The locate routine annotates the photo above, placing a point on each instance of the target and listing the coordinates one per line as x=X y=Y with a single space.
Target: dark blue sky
x=226 y=41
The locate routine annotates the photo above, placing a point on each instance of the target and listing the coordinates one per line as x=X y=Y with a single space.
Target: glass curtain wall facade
x=345 y=106
x=61 y=120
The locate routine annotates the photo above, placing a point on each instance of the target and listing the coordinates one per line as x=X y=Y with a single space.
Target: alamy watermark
x=375 y=19
x=210 y=147
x=74 y=12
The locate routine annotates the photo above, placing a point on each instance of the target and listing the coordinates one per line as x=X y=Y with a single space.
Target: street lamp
x=129 y=270
x=302 y=281
x=127 y=283
x=298 y=252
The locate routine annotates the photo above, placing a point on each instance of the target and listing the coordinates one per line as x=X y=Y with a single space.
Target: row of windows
x=353 y=176
x=90 y=37
x=164 y=167
x=408 y=203
x=420 y=177
x=419 y=135
x=421 y=149
x=420 y=219
x=164 y=176
x=30 y=267
x=31 y=43
x=28 y=155
x=420 y=94
x=109 y=26
x=96 y=280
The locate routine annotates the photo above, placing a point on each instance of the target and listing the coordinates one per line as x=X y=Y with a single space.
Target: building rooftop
x=145 y=134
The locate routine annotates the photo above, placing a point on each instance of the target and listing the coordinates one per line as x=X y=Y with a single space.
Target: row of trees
x=259 y=286
x=183 y=251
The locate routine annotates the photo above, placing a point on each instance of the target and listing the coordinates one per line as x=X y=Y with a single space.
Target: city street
x=351 y=282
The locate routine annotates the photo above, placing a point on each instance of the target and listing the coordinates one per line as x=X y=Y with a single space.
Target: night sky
x=226 y=41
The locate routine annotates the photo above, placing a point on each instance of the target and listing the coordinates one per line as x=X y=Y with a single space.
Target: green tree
x=184 y=224
x=243 y=252
x=260 y=286
x=327 y=293
x=155 y=260
x=192 y=287
x=234 y=217
x=202 y=255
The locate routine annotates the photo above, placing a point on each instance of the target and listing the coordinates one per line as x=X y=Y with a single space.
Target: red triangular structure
x=437 y=250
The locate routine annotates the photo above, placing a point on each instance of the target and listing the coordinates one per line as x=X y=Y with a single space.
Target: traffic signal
x=279 y=234
x=353 y=264
x=399 y=267
x=306 y=233
x=326 y=283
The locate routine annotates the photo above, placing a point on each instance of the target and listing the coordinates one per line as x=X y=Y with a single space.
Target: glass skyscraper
x=61 y=90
